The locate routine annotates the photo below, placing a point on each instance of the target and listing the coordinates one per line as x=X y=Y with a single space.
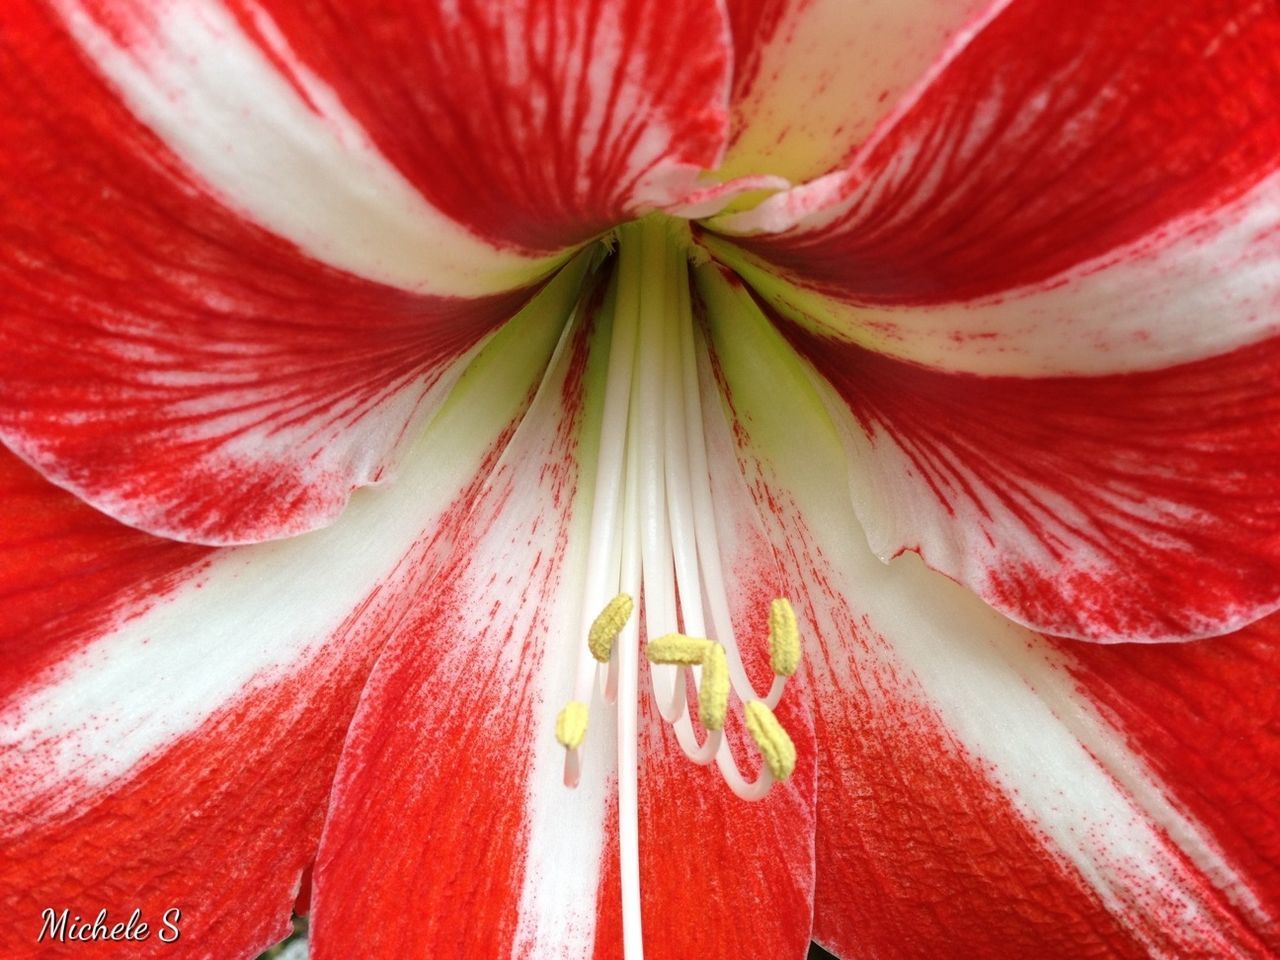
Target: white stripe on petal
x=1203 y=285
x=305 y=171
x=565 y=828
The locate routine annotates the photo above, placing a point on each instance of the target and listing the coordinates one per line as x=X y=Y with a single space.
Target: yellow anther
x=676 y=648
x=571 y=724
x=713 y=691
x=784 y=638
x=775 y=746
x=606 y=627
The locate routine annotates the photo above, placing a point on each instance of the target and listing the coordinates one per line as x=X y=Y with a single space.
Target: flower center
x=653 y=536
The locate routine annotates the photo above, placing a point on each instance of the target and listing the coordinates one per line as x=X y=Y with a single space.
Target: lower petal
x=174 y=745
x=983 y=790
x=450 y=832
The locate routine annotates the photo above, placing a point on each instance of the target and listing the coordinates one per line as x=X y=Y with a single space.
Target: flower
x=711 y=305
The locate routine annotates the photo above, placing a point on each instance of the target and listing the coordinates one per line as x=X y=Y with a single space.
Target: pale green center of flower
x=653 y=537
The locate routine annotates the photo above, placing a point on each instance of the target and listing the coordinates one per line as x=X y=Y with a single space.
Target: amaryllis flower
x=576 y=478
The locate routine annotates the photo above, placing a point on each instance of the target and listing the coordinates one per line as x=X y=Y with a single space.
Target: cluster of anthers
x=709 y=663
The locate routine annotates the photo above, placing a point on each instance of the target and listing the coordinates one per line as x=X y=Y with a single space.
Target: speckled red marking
x=1062 y=131
x=1174 y=473
x=608 y=944
x=1206 y=717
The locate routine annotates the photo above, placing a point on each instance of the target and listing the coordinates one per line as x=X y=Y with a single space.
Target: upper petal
x=1046 y=295
x=536 y=123
x=244 y=249
x=1142 y=306
x=1034 y=150
x=1135 y=506
x=1072 y=200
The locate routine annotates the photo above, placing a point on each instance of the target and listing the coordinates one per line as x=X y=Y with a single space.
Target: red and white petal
x=176 y=744
x=1215 y=747
x=171 y=361
x=965 y=768
x=1132 y=506
x=222 y=89
x=813 y=78
x=984 y=790
x=1074 y=200
x=64 y=570
x=1137 y=506
x=1027 y=218
x=537 y=124
x=1140 y=307
x=1034 y=150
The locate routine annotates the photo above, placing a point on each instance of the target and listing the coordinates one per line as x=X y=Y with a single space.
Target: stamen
x=678 y=650
x=606 y=627
x=653 y=538
x=775 y=745
x=784 y=638
x=713 y=691
x=571 y=724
